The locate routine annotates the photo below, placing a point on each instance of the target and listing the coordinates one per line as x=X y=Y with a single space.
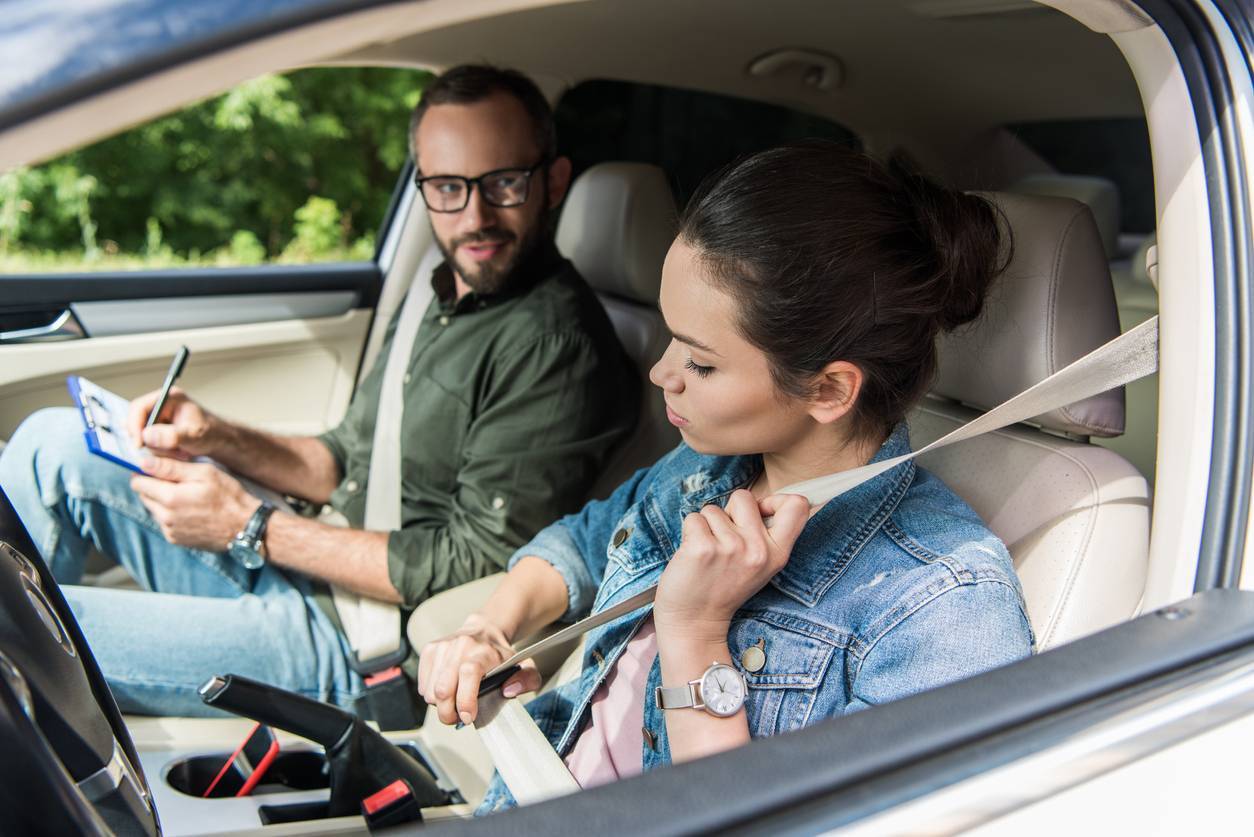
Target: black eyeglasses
x=451 y=193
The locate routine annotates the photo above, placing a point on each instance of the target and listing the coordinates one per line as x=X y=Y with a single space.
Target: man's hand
x=196 y=504
x=183 y=430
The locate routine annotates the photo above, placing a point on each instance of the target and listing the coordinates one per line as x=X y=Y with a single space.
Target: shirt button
x=498 y=503
x=650 y=740
x=444 y=320
x=619 y=537
x=351 y=486
x=408 y=377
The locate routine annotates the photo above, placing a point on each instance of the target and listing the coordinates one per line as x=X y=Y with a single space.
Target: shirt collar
x=544 y=262
x=836 y=532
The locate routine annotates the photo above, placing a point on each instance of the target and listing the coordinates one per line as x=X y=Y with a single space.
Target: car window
x=293 y=169
x=1117 y=149
x=686 y=132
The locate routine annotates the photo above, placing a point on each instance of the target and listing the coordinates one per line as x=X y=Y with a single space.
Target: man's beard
x=485 y=277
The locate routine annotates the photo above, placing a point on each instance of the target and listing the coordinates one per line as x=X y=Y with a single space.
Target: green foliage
x=298 y=167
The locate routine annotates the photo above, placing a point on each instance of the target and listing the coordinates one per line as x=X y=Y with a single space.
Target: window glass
x=292 y=168
x=687 y=133
x=1117 y=149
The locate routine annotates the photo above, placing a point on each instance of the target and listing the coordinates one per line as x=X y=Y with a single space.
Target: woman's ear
x=839 y=384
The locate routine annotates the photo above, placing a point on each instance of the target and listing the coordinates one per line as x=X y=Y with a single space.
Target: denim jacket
x=892 y=588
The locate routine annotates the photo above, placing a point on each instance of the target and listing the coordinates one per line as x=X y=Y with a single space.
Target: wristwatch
x=247 y=544
x=720 y=691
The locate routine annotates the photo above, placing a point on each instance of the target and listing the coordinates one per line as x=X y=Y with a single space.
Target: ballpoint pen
x=176 y=369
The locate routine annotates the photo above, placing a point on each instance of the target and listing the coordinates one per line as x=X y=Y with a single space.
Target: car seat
x=1074 y=515
x=617 y=223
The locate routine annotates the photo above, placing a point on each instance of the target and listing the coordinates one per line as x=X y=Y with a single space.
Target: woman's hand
x=451 y=669
x=725 y=557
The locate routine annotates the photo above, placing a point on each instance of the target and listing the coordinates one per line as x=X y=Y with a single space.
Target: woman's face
x=718 y=387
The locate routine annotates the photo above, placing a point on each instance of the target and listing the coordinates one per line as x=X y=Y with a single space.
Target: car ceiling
x=911 y=67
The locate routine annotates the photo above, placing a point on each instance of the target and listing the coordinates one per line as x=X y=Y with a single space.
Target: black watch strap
x=255 y=530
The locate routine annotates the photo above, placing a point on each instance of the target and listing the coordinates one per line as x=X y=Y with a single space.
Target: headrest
x=618 y=221
x=1053 y=304
x=1097 y=193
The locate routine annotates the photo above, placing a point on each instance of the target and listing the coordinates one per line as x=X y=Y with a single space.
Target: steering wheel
x=69 y=765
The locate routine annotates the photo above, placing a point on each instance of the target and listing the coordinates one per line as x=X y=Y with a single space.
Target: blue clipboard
x=104 y=422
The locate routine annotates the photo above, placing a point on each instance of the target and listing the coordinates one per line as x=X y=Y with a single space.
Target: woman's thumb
x=786 y=516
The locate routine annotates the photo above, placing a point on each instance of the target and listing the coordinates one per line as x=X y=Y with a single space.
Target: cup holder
x=296 y=770
x=291 y=770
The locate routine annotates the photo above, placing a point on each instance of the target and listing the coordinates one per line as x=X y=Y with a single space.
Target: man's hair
x=469 y=83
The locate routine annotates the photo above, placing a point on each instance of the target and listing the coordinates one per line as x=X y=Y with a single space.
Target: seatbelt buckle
x=390 y=701
x=394 y=805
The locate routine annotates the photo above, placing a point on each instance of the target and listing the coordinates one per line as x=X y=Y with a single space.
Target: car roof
x=909 y=67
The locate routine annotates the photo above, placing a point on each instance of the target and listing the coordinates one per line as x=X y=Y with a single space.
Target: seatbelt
x=373 y=627
x=533 y=771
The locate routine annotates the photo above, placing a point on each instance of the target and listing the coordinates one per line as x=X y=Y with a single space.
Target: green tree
x=230 y=175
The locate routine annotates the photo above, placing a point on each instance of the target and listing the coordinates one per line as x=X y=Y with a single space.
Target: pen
x=176 y=369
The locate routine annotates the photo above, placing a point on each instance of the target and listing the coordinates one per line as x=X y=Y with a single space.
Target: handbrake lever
x=362 y=762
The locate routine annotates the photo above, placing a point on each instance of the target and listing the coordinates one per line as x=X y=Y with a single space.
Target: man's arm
x=300 y=466
x=200 y=506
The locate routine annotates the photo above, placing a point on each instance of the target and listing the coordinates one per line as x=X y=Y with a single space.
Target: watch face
x=722 y=690
x=250 y=559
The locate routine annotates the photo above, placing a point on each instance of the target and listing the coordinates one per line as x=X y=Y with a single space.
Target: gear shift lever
x=361 y=760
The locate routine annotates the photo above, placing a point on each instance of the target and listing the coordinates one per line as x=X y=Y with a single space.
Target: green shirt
x=513 y=402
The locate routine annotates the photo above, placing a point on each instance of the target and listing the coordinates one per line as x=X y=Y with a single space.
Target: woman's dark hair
x=833 y=255
x=466 y=84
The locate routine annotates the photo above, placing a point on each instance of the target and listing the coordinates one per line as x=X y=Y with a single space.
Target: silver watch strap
x=675 y=697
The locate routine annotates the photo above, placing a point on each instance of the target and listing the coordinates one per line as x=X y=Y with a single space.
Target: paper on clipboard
x=104 y=419
x=104 y=427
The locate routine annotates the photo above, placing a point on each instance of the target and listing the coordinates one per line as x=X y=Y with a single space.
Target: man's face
x=484 y=243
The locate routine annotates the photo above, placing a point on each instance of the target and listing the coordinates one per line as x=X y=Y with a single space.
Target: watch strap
x=675 y=697
x=254 y=531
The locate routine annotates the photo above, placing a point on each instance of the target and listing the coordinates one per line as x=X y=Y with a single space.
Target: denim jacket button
x=598 y=657
x=619 y=537
x=753 y=658
x=650 y=740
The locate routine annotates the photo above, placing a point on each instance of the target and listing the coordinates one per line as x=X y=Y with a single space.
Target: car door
x=274 y=303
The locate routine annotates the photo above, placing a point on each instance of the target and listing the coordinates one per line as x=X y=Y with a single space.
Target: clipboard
x=104 y=422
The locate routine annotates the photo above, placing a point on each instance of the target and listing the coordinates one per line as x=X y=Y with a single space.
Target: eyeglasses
x=502 y=188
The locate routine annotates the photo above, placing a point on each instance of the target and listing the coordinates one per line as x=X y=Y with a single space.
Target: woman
x=804 y=293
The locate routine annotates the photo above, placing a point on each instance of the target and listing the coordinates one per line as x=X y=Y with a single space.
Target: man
x=516 y=390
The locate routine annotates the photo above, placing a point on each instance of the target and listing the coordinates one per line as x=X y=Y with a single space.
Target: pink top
x=610 y=746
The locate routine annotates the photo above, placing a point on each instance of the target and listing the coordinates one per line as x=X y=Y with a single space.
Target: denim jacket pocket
x=792 y=661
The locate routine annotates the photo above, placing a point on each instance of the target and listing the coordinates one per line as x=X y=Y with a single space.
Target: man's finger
x=137 y=415
x=153 y=490
x=161 y=437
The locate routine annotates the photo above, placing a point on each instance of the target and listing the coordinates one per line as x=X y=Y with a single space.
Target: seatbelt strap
x=373 y=627
x=533 y=772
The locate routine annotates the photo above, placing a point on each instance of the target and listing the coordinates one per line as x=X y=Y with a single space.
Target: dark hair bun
x=966 y=241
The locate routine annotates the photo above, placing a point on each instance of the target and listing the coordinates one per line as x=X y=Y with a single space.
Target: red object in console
x=379 y=800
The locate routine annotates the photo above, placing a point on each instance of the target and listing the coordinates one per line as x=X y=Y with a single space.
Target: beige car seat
x=616 y=225
x=1074 y=515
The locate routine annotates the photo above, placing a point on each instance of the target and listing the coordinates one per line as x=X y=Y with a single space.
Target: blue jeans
x=205 y=614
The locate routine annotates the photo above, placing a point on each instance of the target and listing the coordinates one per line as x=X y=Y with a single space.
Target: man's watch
x=246 y=546
x=720 y=691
